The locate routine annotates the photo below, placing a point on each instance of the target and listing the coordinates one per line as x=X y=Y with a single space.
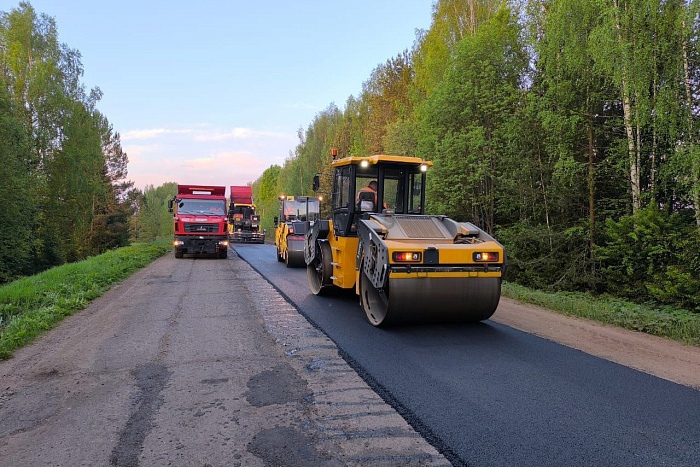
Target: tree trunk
x=695 y=172
x=591 y=189
x=629 y=128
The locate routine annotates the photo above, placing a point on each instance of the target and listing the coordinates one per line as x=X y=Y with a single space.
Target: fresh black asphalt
x=489 y=395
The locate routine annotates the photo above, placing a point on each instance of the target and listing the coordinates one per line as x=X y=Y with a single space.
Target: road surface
x=206 y=362
x=489 y=394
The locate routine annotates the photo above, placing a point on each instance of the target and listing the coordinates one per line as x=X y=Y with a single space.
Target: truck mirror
x=317 y=182
x=276 y=220
x=170 y=205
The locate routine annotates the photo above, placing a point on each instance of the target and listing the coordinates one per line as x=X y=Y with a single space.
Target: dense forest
x=568 y=129
x=62 y=167
x=63 y=172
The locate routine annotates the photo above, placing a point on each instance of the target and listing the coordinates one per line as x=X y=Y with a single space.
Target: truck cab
x=199 y=213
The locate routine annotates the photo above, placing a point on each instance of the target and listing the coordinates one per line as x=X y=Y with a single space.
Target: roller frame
x=442 y=294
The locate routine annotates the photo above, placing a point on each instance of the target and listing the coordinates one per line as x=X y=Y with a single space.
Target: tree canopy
x=62 y=168
x=569 y=129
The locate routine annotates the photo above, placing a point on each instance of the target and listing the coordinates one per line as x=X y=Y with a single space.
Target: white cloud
x=238 y=133
x=150 y=133
x=198 y=155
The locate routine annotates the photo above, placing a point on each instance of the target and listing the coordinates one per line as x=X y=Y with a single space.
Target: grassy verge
x=679 y=325
x=32 y=305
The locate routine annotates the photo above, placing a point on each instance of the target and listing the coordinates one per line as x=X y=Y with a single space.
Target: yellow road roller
x=297 y=214
x=406 y=266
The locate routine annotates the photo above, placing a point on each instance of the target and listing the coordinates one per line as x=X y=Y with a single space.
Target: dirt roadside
x=657 y=356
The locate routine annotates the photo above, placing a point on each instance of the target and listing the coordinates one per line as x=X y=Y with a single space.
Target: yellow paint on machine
x=344 y=251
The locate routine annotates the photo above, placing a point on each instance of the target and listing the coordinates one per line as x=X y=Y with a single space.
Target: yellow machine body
x=297 y=214
x=406 y=266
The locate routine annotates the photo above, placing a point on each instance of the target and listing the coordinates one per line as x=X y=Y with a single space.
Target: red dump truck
x=243 y=220
x=200 y=220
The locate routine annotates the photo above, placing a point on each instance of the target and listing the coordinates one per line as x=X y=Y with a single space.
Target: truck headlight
x=178 y=243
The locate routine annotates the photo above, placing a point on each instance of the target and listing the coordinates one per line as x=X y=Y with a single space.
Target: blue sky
x=214 y=91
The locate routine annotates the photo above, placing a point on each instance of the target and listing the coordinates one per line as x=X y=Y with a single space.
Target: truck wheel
x=178 y=254
x=223 y=254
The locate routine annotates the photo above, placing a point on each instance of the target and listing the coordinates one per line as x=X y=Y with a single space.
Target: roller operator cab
x=297 y=214
x=200 y=219
x=405 y=266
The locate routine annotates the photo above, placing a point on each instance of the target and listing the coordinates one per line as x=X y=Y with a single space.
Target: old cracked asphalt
x=195 y=363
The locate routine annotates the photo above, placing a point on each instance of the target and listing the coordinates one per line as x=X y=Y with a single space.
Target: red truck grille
x=201 y=228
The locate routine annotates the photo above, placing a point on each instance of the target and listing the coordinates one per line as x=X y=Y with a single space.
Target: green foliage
x=467 y=121
x=650 y=255
x=18 y=208
x=266 y=196
x=547 y=259
x=32 y=305
x=677 y=324
x=153 y=220
x=65 y=164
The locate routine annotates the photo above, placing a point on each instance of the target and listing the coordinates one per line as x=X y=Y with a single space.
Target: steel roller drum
x=295 y=253
x=426 y=299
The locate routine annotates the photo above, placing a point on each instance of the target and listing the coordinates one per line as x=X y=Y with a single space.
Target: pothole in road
x=277 y=386
x=289 y=447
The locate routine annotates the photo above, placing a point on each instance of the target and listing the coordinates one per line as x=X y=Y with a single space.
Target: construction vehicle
x=297 y=214
x=243 y=220
x=406 y=266
x=199 y=212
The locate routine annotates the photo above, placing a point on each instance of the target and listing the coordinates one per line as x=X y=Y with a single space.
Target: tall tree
x=387 y=95
x=466 y=119
x=18 y=209
x=265 y=195
x=453 y=20
x=152 y=218
x=575 y=104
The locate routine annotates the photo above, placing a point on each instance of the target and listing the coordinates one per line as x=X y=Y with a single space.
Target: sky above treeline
x=214 y=92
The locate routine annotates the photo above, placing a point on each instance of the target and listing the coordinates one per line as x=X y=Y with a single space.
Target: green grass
x=680 y=325
x=33 y=305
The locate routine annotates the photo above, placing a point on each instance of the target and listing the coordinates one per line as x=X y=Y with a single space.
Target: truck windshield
x=211 y=207
x=302 y=209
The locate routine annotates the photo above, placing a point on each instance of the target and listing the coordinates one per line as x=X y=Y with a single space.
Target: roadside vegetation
x=663 y=321
x=568 y=129
x=33 y=305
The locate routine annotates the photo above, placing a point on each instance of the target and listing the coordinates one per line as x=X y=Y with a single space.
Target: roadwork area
x=195 y=362
x=203 y=362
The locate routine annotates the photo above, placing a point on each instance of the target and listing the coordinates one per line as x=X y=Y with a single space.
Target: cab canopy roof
x=205 y=190
x=379 y=158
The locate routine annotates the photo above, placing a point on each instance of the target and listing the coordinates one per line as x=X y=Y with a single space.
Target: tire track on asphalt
x=150 y=379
